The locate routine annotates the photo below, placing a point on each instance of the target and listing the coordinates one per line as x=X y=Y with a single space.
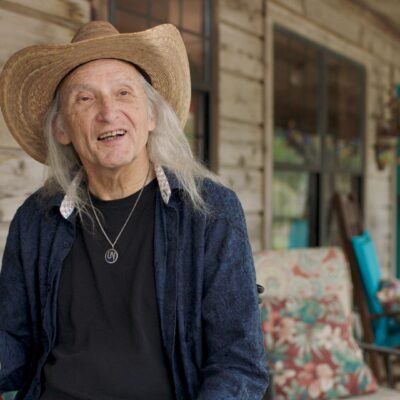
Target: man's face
x=105 y=116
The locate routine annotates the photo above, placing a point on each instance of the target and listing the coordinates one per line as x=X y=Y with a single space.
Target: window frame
x=320 y=172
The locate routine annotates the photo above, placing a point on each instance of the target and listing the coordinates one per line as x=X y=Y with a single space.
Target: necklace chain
x=111 y=255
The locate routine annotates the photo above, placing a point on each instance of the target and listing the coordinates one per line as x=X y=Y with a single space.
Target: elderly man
x=129 y=274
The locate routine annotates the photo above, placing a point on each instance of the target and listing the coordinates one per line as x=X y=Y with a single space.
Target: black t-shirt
x=109 y=343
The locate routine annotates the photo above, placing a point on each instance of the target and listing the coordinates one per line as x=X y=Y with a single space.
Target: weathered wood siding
x=246 y=100
x=24 y=23
x=241 y=107
x=345 y=29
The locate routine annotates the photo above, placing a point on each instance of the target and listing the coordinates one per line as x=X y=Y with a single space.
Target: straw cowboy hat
x=31 y=76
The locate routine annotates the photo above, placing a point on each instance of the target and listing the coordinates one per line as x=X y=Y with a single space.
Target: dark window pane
x=174 y=12
x=165 y=11
x=290 y=204
x=126 y=22
x=159 y=10
x=295 y=101
x=195 y=48
x=343 y=140
x=193 y=15
x=137 y=6
x=195 y=128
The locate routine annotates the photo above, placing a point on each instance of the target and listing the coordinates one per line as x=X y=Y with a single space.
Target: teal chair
x=385 y=327
x=381 y=330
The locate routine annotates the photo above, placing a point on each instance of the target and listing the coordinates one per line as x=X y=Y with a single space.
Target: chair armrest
x=260 y=290
x=369 y=347
x=387 y=353
x=385 y=314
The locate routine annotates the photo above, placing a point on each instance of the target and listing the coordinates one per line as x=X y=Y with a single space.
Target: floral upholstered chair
x=307 y=324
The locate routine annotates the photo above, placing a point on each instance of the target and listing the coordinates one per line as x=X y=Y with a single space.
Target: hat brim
x=31 y=76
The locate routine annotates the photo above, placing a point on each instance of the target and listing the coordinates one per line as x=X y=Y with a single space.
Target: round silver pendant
x=111 y=256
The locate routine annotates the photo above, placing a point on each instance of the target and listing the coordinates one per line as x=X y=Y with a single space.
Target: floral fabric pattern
x=311 y=349
x=312 y=272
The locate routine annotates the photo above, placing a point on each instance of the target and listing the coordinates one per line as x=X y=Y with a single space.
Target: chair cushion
x=311 y=349
x=305 y=272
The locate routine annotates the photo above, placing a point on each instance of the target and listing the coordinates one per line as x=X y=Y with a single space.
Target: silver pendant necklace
x=111 y=255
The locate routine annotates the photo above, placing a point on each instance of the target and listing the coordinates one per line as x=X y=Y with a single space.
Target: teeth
x=111 y=134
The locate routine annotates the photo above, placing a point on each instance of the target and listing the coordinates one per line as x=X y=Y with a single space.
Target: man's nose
x=108 y=110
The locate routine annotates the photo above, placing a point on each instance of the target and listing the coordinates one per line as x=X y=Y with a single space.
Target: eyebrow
x=83 y=86
x=77 y=87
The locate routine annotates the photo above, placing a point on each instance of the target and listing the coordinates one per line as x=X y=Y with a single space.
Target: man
x=129 y=274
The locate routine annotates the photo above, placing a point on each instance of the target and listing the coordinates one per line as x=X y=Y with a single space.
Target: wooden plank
x=242 y=179
x=18 y=31
x=247 y=183
x=255 y=228
x=6 y=139
x=21 y=176
x=378 y=43
x=3 y=237
x=268 y=134
x=240 y=154
x=100 y=10
x=230 y=130
x=396 y=54
x=379 y=216
x=380 y=74
x=381 y=182
x=376 y=105
x=396 y=75
x=72 y=13
x=244 y=14
x=294 y=5
x=334 y=18
x=240 y=98
x=240 y=52
x=315 y=32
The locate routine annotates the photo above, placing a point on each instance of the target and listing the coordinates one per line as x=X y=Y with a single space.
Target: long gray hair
x=167 y=146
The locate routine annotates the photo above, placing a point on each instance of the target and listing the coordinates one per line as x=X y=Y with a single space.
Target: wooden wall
x=24 y=23
x=357 y=34
x=241 y=107
x=246 y=100
x=245 y=88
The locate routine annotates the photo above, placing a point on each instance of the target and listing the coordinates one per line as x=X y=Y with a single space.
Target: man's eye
x=84 y=98
x=124 y=93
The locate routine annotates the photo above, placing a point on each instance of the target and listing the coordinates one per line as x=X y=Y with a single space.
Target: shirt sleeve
x=15 y=331
x=235 y=366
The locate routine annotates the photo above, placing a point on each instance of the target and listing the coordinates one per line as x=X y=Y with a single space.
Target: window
x=193 y=19
x=318 y=138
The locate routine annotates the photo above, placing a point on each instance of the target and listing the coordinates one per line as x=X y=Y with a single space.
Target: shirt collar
x=165 y=181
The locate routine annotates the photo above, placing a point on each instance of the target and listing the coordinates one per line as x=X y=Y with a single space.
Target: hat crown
x=94 y=29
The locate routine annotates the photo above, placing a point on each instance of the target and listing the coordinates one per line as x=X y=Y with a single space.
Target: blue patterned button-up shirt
x=205 y=286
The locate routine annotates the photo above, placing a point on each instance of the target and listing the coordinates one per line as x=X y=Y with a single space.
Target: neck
x=115 y=185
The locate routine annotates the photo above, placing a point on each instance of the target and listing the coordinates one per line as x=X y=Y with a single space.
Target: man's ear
x=152 y=125
x=59 y=132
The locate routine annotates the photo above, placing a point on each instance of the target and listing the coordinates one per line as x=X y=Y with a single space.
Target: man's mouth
x=112 y=134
